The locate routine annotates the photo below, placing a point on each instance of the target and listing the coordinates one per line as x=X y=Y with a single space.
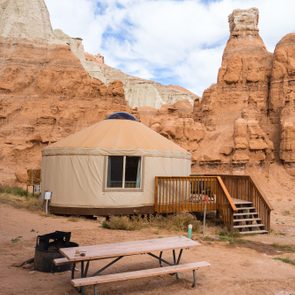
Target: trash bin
x=47 y=249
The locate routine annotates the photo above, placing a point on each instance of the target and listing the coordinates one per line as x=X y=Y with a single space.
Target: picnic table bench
x=85 y=254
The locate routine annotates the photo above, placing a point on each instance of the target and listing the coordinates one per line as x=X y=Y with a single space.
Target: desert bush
x=27 y=202
x=120 y=223
x=229 y=236
x=175 y=222
x=181 y=221
x=17 y=191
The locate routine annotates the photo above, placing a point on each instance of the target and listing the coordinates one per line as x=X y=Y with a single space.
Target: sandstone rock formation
x=45 y=92
x=50 y=88
x=138 y=92
x=175 y=122
x=234 y=110
x=45 y=95
x=282 y=100
x=25 y=19
x=20 y=19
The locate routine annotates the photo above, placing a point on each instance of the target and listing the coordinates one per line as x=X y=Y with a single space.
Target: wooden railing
x=225 y=205
x=190 y=194
x=244 y=187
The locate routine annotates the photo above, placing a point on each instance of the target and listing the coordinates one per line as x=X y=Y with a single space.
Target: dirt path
x=234 y=269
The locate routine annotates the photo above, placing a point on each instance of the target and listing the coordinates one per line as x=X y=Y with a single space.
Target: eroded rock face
x=23 y=19
x=251 y=144
x=49 y=90
x=282 y=100
x=175 y=122
x=138 y=92
x=234 y=110
x=45 y=95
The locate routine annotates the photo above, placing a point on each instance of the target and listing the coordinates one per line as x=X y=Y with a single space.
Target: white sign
x=37 y=188
x=47 y=195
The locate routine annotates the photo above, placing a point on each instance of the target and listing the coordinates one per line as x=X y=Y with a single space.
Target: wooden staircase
x=246 y=219
x=249 y=212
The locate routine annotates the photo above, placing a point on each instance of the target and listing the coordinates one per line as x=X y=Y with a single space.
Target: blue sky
x=169 y=41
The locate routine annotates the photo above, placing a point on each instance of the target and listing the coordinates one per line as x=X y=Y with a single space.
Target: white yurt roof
x=117 y=137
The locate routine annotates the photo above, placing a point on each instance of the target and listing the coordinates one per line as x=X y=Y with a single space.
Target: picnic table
x=116 y=251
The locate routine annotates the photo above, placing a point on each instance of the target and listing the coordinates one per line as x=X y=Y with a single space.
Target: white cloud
x=176 y=42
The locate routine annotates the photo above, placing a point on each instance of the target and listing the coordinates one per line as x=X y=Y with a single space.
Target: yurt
x=109 y=168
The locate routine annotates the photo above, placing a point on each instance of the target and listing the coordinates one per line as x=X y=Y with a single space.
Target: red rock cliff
x=45 y=94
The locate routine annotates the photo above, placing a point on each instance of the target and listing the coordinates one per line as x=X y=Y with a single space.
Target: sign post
x=47 y=198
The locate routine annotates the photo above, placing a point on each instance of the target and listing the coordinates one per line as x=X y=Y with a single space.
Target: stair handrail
x=263 y=196
x=227 y=194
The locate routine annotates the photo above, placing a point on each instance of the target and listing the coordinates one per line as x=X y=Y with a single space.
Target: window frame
x=123 y=189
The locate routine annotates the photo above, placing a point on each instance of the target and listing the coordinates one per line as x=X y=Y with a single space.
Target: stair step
x=242 y=202
x=244 y=205
x=247 y=213
x=247 y=219
x=248 y=225
x=245 y=208
x=253 y=232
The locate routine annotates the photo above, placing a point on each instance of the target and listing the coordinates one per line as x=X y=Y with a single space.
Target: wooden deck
x=218 y=193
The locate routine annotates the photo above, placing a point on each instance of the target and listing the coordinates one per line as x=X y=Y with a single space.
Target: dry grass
x=13 y=190
x=121 y=223
x=232 y=237
x=27 y=202
x=74 y=219
x=175 y=222
x=285 y=260
x=284 y=248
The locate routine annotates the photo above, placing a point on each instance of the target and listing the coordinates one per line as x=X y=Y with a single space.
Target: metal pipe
x=108 y=265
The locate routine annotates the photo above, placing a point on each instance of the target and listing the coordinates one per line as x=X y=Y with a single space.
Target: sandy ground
x=235 y=269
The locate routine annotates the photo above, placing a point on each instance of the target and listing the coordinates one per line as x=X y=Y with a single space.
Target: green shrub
x=17 y=191
x=229 y=236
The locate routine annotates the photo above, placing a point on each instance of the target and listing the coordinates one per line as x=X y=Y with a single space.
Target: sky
x=177 y=42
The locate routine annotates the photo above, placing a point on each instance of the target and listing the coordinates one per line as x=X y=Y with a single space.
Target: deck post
x=156 y=194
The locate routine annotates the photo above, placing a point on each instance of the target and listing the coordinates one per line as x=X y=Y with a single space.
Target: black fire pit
x=46 y=250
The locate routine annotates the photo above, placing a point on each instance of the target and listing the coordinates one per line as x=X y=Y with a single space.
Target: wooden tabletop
x=127 y=248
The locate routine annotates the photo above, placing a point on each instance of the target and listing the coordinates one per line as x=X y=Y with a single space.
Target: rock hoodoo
x=234 y=110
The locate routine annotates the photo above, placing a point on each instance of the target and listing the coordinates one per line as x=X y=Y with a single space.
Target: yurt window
x=124 y=172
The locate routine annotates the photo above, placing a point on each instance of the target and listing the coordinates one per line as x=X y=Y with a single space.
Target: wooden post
x=156 y=194
x=205 y=212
